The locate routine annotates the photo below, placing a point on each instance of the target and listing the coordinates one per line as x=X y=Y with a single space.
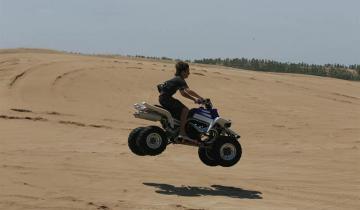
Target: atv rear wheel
x=205 y=155
x=152 y=140
x=227 y=151
x=132 y=142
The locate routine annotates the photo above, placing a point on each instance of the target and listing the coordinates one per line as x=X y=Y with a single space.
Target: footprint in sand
x=200 y=74
x=133 y=67
x=100 y=207
x=83 y=124
x=29 y=111
x=22 y=118
x=21 y=110
x=53 y=113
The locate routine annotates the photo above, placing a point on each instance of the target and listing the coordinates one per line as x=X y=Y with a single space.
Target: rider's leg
x=183 y=118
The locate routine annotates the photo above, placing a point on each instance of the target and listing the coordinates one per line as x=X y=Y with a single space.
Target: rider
x=169 y=88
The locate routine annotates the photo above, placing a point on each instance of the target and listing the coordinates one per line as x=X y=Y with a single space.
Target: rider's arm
x=184 y=93
x=192 y=93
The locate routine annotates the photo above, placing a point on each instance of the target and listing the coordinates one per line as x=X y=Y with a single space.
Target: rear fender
x=150 y=112
x=225 y=124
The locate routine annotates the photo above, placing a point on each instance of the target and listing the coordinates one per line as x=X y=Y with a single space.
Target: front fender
x=221 y=122
x=225 y=124
x=228 y=130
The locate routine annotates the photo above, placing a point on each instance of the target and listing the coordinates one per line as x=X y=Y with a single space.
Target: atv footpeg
x=187 y=141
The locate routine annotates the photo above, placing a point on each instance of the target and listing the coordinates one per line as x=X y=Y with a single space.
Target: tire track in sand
x=27 y=71
x=79 y=124
x=62 y=76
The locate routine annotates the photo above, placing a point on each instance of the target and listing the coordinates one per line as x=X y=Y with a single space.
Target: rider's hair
x=180 y=67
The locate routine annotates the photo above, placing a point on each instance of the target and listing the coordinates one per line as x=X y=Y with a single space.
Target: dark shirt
x=171 y=86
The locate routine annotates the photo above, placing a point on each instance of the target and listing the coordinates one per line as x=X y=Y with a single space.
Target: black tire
x=206 y=157
x=152 y=140
x=132 y=142
x=227 y=151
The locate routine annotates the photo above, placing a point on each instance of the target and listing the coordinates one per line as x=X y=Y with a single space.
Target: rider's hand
x=199 y=101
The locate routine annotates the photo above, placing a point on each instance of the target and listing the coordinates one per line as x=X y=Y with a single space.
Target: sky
x=310 y=31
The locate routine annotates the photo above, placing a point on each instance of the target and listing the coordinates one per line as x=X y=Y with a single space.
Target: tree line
x=351 y=72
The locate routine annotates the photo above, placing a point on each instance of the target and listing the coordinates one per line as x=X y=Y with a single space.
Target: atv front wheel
x=152 y=140
x=206 y=157
x=227 y=151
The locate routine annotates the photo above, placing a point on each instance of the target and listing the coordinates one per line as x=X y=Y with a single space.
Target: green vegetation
x=351 y=72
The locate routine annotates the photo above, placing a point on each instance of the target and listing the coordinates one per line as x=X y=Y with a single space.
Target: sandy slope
x=64 y=121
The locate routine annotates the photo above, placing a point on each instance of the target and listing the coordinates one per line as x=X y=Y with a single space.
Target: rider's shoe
x=179 y=139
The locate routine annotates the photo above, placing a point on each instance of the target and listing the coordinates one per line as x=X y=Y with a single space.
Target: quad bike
x=217 y=143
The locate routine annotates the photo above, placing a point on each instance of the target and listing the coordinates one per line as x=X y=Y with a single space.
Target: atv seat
x=159 y=106
x=166 y=110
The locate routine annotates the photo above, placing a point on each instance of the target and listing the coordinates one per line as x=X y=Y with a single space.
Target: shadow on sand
x=214 y=190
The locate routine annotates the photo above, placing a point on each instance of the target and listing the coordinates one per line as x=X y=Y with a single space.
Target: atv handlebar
x=206 y=102
x=199 y=101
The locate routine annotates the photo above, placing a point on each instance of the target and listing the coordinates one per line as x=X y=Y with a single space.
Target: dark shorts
x=173 y=105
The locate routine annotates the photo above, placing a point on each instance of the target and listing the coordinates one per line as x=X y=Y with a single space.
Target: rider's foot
x=179 y=139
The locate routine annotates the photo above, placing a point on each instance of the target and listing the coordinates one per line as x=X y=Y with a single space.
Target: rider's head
x=182 y=69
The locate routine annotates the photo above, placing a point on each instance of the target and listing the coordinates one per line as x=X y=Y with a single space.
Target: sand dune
x=65 y=118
